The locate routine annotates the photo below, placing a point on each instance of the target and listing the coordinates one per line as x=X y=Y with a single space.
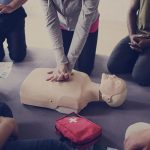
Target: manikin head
x=113 y=90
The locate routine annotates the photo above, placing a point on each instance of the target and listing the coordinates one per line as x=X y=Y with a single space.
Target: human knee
x=18 y=57
x=112 y=68
x=5 y=110
x=141 y=79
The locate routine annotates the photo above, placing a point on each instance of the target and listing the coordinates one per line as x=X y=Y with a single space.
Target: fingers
x=6 y=9
x=3 y=10
x=61 y=77
x=133 y=144
x=50 y=72
x=50 y=78
x=66 y=76
x=58 y=77
x=1 y=6
x=135 y=47
x=60 y=73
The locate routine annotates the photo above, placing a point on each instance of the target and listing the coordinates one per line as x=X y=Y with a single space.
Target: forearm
x=54 y=32
x=15 y=4
x=6 y=129
x=132 y=22
x=132 y=16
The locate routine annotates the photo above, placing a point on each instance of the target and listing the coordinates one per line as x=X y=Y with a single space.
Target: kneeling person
x=12 y=28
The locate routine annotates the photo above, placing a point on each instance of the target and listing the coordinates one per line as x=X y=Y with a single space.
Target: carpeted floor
x=39 y=123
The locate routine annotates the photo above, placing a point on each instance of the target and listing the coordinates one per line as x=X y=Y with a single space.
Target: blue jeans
x=125 y=60
x=12 y=29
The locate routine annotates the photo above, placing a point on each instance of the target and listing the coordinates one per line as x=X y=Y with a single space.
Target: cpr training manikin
x=72 y=95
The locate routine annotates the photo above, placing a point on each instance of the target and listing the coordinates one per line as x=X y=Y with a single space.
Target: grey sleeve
x=88 y=11
x=54 y=31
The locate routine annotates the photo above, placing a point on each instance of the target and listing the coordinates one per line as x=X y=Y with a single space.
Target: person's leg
x=141 y=71
x=41 y=144
x=122 y=58
x=67 y=38
x=2 y=53
x=2 y=38
x=5 y=111
x=17 y=42
x=87 y=56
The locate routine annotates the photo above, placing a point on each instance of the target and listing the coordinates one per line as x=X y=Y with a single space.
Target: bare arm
x=7 y=127
x=132 y=16
x=12 y=6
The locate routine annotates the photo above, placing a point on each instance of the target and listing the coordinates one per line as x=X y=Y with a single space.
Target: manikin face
x=113 y=90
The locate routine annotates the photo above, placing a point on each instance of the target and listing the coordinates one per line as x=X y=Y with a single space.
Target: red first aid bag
x=78 y=130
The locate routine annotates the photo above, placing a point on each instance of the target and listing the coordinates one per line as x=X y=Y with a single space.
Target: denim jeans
x=12 y=28
x=126 y=60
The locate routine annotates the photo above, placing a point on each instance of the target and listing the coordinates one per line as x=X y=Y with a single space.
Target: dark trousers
x=37 y=144
x=125 y=60
x=5 y=110
x=12 y=28
x=85 y=62
x=33 y=144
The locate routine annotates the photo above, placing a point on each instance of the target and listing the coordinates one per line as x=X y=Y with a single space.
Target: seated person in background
x=9 y=134
x=137 y=137
x=12 y=28
x=132 y=54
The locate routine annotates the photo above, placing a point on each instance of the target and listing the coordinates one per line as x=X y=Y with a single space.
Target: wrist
x=12 y=7
x=60 y=56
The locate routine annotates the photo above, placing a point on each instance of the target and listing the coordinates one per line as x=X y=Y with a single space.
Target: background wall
x=112 y=25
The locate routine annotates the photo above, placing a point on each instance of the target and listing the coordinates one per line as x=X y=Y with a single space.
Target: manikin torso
x=73 y=95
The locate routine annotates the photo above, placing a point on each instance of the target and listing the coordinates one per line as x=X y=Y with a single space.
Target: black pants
x=125 y=60
x=12 y=28
x=85 y=62
x=34 y=144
